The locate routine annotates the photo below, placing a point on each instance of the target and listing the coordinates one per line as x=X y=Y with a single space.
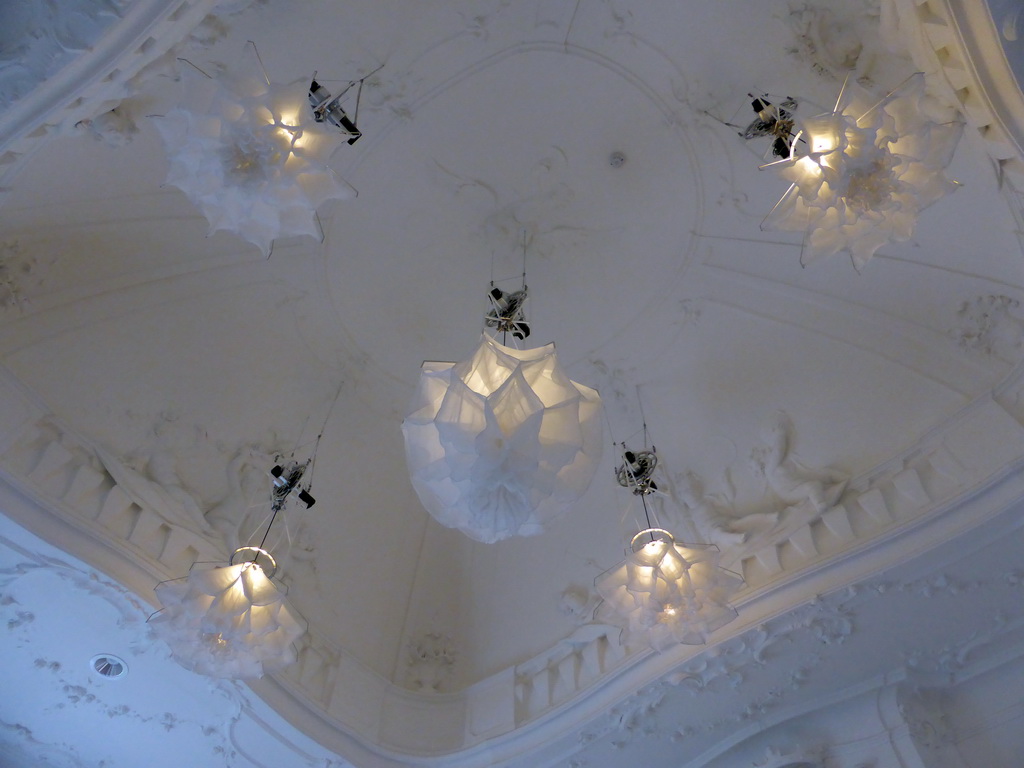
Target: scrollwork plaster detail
x=629 y=718
x=228 y=703
x=923 y=715
x=836 y=39
x=942 y=584
x=828 y=620
x=20 y=274
x=390 y=92
x=53 y=465
x=723 y=664
x=988 y=324
x=431 y=662
x=478 y=23
x=830 y=623
x=23 y=748
x=955 y=657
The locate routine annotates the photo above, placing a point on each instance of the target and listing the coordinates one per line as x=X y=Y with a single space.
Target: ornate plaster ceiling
x=489 y=132
x=59 y=614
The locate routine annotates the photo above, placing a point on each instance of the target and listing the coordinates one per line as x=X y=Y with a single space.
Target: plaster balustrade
x=905 y=505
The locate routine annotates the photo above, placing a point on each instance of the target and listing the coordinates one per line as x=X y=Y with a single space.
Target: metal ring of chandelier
x=653 y=535
x=258 y=556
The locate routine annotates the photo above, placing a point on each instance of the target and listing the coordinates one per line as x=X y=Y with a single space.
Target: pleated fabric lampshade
x=500 y=444
x=667 y=593
x=227 y=621
x=251 y=157
x=867 y=173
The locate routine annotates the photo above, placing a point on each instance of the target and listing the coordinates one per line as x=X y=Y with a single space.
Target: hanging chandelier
x=233 y=621
x=252 y=155
x=665 y=592
x=500 y=444
x=229 y=621
x=859 y=182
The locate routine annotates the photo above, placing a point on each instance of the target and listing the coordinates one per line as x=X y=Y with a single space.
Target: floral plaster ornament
x=431 y=662
x=501 y=443
x=861 y=181
x=251 y=157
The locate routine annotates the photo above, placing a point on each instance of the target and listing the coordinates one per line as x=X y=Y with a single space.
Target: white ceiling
x=488 y=132
x=58 y=615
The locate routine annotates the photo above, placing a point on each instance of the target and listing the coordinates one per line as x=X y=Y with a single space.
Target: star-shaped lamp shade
x=859 y=179
x=501 y=443
x=251 y=157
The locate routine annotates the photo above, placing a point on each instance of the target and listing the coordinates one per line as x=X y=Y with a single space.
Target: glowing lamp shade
x=227 y=621
x=501 y=443
x=666 y=593
x=252 y=158
x=863 y=180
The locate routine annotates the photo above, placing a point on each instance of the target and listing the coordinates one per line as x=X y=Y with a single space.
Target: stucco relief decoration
x=251 y=157
x=20 y=273
x=954 y=657
x=75 y=690
x=431 y=662
x=921 y=710
x=227 y=621
x=577 y=604
x=835 y=40
x=238 y=514
x=115 y=127
x=830 y=623
x=38 y=37
x=793 y=482
x=866 y=174
x=500 y=444
x=156 y=486
x=538 y=213
x=716 y=516
x=631 y=717
x=989 y=324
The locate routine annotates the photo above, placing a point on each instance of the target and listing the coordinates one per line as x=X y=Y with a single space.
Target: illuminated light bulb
x=666 y=593
x=229 y=621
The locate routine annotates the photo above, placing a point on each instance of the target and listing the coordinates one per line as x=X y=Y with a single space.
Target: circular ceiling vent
x=109 y=666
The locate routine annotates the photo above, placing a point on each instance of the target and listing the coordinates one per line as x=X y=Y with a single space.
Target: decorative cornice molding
x=579 y=678
x=98 y=76
x=957 y=46
x=139 y=546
